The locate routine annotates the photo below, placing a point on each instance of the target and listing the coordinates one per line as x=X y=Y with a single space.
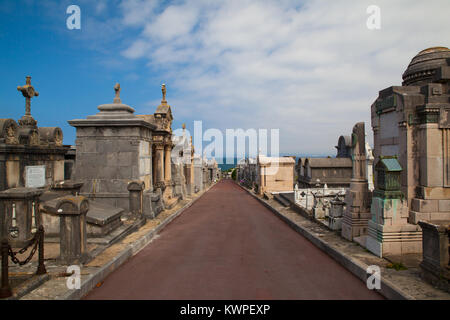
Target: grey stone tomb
x=113 y=148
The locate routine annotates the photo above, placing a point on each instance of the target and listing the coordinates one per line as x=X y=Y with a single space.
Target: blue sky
x=310 y=68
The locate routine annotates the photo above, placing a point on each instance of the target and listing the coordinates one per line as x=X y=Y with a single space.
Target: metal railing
x=37 y=243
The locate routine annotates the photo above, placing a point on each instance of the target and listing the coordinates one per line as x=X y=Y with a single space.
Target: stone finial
x=28 y=92
x=183 y=126
x=117 y=90
x=163 y=89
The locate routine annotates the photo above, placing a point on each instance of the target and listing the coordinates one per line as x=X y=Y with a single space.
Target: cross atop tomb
x=117 y=90
x=163 y=89
x=28 y=92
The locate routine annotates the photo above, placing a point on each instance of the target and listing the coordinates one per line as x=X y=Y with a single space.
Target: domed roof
x=423 y=66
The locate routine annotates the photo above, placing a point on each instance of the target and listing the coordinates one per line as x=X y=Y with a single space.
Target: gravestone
x=357 y=199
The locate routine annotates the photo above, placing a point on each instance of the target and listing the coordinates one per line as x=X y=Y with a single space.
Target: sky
x=311 y=69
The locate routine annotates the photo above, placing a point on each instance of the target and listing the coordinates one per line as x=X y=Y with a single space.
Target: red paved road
x=229 y=246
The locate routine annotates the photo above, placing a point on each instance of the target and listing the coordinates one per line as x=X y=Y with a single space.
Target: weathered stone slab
x=102 y=219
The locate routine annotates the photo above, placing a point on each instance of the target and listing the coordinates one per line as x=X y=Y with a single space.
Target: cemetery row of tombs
x=124 y=169
x=393 y=199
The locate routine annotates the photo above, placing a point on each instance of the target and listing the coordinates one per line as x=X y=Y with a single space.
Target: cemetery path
x=227 y=245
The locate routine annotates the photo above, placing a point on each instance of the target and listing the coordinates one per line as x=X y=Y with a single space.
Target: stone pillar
x=188 y=170
x=21 y=216
x=357 y=199
x=136 y=197
x=72 y=212
x=167 y=164
x=159 y=163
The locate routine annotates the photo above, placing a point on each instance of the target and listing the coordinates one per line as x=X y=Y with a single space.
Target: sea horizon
x=228 y=163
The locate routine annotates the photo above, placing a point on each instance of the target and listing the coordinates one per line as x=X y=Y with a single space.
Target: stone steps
x=282 y=200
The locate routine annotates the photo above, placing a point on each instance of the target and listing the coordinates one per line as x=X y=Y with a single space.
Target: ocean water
x=225 y=166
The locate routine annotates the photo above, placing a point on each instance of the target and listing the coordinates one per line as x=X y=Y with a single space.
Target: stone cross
x=117 y=90
x=163 y=89
x=28 y=92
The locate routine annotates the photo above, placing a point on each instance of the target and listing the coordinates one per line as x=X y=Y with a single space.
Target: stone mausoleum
x=114 y=147
x=411 y=124
x=30 y=156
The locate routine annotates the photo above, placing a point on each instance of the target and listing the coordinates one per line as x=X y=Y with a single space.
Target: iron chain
x=12 y=254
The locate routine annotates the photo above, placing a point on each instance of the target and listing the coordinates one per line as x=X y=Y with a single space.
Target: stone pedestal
x=435 y=264
x=389 y=232
x=335 y=214
x=135 y=189
x=20 y=215
x=357 y=214
x=72 y=212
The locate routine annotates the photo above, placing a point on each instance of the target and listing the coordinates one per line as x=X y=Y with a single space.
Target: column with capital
x=168 y=164
x=159 y=170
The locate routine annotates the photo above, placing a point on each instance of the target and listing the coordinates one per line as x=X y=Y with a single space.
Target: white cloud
x=137 y=12
x=136 y=50
x=174 y=21
x=312 y=70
